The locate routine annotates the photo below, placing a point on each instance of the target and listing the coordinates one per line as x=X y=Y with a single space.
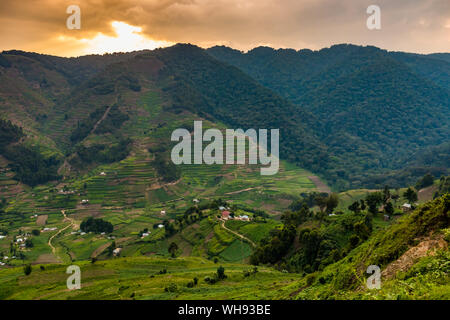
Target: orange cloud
x=243 y=24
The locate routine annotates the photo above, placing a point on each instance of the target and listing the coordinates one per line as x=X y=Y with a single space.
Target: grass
x=139 y=278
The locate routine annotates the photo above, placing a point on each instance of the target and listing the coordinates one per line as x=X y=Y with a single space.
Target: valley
x=87 y=179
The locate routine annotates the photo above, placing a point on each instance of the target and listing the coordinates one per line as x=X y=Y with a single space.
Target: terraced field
x=139 y=278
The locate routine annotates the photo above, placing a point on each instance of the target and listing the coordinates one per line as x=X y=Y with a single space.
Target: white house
x=116 y=251
x=160 y=226
x=163 y=211
x=406 y=207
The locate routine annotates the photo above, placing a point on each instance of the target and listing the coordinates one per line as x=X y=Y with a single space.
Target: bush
x=172 y=287
x=310 y=278
x=27 y=269
x=221 y=273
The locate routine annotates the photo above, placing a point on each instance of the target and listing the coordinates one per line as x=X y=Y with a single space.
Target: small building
x=103 y=173
x=160 y=226
x=221 y=208
x=196 y=201
x=117 y=251
x=163 y=212
x=84 y=201
x=406 y=207
x=226 y=215
x=386 y=217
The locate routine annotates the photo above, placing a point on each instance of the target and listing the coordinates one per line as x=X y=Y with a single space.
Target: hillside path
x=238 y=234
x=56 y=234
x=101 y=119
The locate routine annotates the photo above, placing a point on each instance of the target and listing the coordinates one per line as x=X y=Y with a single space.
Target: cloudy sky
x=421 y=26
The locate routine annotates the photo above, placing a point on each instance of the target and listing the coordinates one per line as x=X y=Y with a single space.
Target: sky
x=421 y=26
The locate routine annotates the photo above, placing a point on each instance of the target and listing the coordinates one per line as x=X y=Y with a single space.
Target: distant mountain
x=374 y=109
x=354 y=115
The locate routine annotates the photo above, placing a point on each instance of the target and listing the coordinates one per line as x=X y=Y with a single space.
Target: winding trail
x=239 y=191
x=101 y=120
x=238 y=234
x=56 y=234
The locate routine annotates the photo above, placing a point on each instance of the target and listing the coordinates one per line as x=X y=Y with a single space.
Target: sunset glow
x=127 y=38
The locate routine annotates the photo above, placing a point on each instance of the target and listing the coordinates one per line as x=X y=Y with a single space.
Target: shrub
x=172 y=287
x=221 y=273
x=27 y=269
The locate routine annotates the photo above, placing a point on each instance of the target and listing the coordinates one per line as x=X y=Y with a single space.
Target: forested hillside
x=384 y=111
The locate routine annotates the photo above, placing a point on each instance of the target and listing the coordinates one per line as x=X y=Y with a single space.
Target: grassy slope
x=139 y=278
x=428 y=279
x=123 y=277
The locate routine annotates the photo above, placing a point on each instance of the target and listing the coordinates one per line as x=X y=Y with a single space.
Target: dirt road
x=63 y=229
x=238 y=234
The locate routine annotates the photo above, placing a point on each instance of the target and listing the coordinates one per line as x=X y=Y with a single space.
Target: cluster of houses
x=227 y=215
x=5 y=258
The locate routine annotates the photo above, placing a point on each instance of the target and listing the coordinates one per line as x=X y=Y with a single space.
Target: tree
x=221 y=273
x=332 y=202
x=321 y=202
x=111 y=248
x=386 y=194
x=363 y=205
x=373 y=200
x=426 y=181
x=173 y=247
x=29 y=243
x=410 y=195
x=354 y=207
x=354 y=241
x=389 y=208
x=27 y=269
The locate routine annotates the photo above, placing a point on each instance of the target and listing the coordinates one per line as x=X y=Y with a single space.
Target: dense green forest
x=377 y=112
x=28 y=164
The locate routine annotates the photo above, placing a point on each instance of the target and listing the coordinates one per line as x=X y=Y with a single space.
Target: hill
x=374 y=110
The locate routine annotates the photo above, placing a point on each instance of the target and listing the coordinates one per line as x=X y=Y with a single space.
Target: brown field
x=322 y=187
x=42 y=220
